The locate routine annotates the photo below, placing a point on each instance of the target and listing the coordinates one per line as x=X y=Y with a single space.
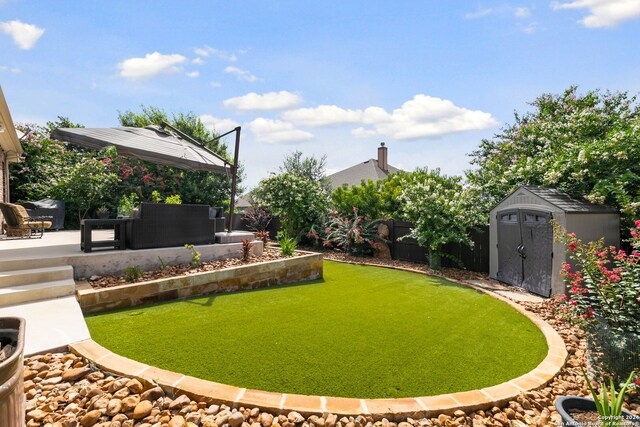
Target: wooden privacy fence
x=457 y=255
x=474 y=258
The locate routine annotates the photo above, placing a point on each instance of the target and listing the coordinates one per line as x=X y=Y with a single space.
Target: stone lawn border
x=305 y=266
x=393 y=409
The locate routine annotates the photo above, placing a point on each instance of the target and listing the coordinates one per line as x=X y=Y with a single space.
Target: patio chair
x=18 y=223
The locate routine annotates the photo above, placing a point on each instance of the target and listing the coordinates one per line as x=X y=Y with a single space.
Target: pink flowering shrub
x=352 y=235
x=606 y=282
x=604 y=299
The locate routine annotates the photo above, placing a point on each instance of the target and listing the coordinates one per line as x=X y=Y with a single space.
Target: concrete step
x=21 y=294
x=35 y=275
x=51 y=324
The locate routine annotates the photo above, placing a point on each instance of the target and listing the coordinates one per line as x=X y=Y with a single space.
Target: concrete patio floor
x=53 y=243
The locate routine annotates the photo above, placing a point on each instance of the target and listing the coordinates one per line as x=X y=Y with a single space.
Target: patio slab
x=63 y=248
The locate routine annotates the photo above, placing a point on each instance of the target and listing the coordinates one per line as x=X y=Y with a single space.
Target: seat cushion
x=9 y=214
x=20 y=212
x=36 y=224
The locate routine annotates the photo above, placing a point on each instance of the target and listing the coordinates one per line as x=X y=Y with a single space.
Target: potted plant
x=102 y=212
x=605 y=406
x=127 y=205
x=12 y=401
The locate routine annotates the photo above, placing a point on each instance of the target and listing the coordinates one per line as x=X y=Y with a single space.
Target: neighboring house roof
x=245 y=201
x=356 y=173
x=9 y=142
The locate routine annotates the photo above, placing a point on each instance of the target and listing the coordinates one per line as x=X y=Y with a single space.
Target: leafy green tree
x=440 y=209
x=366 y=197
x=42 y=157
x=299 y=202
x=198 y=187
x=587 y=145
x=308 y=167
x=83 y=185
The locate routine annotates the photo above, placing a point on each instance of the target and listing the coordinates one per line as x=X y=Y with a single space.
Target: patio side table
x=87 y=244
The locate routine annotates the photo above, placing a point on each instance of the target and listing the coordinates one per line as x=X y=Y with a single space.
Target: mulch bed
x=270 y=254
x=453 y=273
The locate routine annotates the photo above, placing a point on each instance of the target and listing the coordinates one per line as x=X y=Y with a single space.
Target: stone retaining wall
x=307 y=266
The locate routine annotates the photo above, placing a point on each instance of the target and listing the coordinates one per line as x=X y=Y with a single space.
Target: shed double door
x=525 y=249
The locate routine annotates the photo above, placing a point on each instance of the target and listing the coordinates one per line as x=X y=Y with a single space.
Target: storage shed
x=522 y=250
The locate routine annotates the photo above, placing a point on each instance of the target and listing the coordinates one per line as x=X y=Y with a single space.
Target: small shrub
x=287 y=244
x=352 y=235
x=603 y=299
x=128 y=204
x=195 y=256
x=174 y=199
x=246 y=249
x=257 y=218
x=264 y=236
x=163 y=265
x=131 y=274
x=156 y=197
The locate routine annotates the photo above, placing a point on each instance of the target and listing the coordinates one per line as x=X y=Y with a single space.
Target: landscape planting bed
x=362 y=332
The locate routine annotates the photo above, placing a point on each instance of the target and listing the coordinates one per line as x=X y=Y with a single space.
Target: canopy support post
x=234 y=179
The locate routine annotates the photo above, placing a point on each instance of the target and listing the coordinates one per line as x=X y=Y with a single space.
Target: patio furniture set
x=157 y=225
x=152 y=225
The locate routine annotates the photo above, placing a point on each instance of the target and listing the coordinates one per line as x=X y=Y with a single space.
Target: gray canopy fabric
x=151 y=143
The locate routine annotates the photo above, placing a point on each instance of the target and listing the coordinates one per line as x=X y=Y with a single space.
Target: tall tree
x=193 y=186
x=587 y=145
x=311 y=168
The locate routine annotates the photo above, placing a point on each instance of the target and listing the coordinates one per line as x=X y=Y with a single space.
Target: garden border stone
x=393 y=409
x=306 y=266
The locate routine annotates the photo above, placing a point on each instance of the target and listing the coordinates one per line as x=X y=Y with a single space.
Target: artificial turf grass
x=366 y=332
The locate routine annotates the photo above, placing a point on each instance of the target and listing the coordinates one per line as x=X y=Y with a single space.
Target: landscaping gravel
x=64 y=390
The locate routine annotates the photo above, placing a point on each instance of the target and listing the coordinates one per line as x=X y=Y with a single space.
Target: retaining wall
x=307 y=266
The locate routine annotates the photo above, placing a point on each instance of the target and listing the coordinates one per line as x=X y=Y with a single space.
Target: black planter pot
x=565 y=404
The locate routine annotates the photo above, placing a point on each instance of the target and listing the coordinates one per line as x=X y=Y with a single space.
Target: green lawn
x=365 y=332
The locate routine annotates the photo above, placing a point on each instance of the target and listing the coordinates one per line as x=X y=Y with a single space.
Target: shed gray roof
x=150 y=143
x=565 y=202
x=356 y=173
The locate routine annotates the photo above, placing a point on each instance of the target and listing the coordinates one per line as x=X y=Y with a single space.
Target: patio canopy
x=151 y=143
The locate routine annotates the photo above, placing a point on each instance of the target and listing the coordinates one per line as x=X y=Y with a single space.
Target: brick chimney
x=382 y=157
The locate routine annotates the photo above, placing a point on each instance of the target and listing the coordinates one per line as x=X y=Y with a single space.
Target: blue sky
x=429 y=78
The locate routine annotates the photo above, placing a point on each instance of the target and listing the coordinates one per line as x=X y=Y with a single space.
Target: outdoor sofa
x=160 y=225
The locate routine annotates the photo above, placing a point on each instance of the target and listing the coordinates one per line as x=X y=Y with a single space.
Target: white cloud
x=422 y=117
x=198 y=61
x=193 y=74
x=151 y=65
x=241 y=74
x=277 y=131
x=522 y=12
x=529 y=28
x=603 y=13
x=24 y=35
x=218 y=125
x=323 y=115
x=210 y=51
x=4 y=68
x=264 y=102
x=480 y=13
x=214 y=84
